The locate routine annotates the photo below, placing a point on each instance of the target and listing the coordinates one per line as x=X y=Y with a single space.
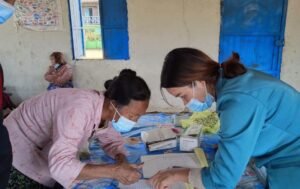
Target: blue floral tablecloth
x=253 y=177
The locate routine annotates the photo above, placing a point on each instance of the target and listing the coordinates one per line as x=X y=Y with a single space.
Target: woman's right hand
x=127 y=173
x=51 y=69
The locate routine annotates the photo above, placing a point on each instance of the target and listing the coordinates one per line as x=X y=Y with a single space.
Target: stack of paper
x=162 y=145
x=160 y=138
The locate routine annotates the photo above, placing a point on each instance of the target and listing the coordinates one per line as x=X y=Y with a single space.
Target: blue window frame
x=114 y=27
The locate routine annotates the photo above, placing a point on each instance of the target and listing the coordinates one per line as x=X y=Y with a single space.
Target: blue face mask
x=195 y=105
x=6 y=11
x=123 y=125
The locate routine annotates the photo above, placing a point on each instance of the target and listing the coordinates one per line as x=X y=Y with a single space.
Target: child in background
x=59 y=73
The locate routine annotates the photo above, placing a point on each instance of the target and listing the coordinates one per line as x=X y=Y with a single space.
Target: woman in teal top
x=260 y=119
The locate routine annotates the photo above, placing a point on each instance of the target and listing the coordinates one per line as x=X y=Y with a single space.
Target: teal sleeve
x=242 y=118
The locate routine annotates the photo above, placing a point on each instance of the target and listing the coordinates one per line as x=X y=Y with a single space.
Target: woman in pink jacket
x=48 y=131
x=60 y=73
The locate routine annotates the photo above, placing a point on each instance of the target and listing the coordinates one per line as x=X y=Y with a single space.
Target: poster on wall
x=39 y=15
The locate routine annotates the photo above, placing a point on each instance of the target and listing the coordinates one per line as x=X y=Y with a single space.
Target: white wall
x=24 y=56
x=155 y=27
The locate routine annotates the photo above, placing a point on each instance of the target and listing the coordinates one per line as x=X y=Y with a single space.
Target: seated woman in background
x=59 y=73
x=48 y=131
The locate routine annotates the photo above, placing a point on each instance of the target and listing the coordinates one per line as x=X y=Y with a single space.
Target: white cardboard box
x=188 y=143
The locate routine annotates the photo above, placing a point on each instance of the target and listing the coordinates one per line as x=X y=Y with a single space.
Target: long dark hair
x=125 y=87
x=182 y=66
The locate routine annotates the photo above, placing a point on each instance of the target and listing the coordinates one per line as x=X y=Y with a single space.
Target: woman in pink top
x=48 y=131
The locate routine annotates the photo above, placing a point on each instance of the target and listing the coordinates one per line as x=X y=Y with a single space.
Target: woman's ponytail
x=232 y=67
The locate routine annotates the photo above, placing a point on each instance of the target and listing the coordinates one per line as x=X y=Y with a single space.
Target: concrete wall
x=155 y=27
x=290 y=71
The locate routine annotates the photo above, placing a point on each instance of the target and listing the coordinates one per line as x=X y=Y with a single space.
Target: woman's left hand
x=165 y=179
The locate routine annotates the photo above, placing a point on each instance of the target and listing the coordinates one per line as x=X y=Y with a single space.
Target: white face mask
x=123 y=124
x=195 y=105
x=56 y=66
x=6 y=11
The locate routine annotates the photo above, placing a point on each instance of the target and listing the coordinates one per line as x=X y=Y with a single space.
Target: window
x=99 y=29
x=91 y=12
x=88 y=11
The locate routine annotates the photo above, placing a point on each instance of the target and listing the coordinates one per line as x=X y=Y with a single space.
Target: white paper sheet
x=142 y=184
x=155 y=163
x=139 y=185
